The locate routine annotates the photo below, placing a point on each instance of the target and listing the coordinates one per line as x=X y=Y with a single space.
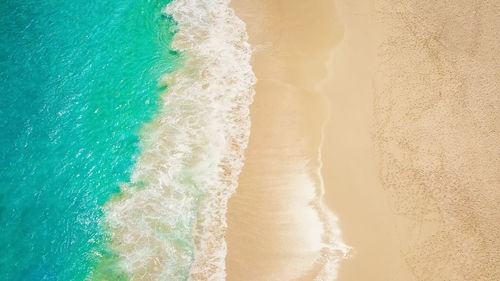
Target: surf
x=168 y=223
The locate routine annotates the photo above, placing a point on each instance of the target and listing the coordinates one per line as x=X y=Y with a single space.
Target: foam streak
x=173 y=226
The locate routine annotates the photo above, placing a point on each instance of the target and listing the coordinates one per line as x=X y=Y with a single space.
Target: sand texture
x=401 y=99
x=437 y=132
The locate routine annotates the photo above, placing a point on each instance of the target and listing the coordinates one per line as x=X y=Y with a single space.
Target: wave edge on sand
x=169 y=221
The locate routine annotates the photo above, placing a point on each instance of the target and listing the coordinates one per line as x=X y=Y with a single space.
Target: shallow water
x=118 y=153
x=173 y=226
x=78 y=80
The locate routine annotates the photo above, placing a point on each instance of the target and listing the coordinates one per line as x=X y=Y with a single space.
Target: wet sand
x=410 y=157
x=275 y=224
x=353 y=188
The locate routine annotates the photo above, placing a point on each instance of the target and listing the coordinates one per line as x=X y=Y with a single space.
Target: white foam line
x=174 y=226
x=334 y=248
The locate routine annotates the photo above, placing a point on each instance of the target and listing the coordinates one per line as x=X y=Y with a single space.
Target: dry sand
x=410 y=157
x=437 y=132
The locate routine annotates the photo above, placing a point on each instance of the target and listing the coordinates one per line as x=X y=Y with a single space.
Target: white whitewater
x=169 y=223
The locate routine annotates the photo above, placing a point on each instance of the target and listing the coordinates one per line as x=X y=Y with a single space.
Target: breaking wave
x=169 y=222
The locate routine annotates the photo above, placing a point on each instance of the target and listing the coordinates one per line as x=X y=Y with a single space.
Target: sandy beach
x=393 y=108
x=436 y=129
x=276 y=229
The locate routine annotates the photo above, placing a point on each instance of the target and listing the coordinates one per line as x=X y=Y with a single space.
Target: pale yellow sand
x=411 y=158
x=350 y=167
x=437 y=131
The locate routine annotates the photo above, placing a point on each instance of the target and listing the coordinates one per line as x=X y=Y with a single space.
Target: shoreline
x=277 y=220
x=416 y=156
x=408 y=159
x=353 y=188
x=169 y=220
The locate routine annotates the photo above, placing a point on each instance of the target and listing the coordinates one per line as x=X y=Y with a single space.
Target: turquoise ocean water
x=78 y=79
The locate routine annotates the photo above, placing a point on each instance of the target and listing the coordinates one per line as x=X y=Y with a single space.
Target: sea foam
x=169 y=222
